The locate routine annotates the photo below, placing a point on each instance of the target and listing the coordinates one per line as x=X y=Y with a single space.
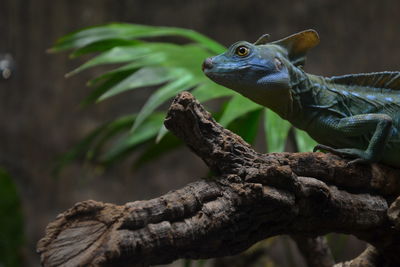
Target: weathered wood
x=252 y=197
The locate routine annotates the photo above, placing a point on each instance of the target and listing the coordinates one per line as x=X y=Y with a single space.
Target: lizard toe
x=323 y=147
x=358 y=161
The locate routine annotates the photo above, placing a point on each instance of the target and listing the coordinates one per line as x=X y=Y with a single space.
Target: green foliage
x=193 y=263
x=337 y=243
x=11 y=224
x=247 y=125
x=304 y=142
x=169 y=66
x=276 y=131
x=237 y=107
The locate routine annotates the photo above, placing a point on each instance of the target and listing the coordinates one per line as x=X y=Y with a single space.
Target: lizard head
x=260 y=70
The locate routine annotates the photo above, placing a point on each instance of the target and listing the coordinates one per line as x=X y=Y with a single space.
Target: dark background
x=40 y=116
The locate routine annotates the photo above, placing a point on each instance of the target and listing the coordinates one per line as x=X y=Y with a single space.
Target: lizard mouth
x=210 y=67
x=207 y=64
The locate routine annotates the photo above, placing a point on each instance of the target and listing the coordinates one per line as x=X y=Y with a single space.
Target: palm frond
x=135 y=62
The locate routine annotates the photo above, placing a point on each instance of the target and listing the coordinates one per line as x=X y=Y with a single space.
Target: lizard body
x=355 y=116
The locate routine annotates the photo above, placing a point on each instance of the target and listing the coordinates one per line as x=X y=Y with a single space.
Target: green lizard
x=356 y=116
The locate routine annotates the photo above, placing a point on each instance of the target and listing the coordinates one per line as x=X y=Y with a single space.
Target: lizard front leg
x=379 y=124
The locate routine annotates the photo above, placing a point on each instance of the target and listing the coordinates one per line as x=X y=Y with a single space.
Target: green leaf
x=90 y=146
x=77 y=152
x=237 y=107
x=304 y=142
x=139 y=64
x=337 y=244
x=156 y=150
x=276 y=131
x=201 y=263
x=144 y=77
x=247 y=125
x=210 y=90
x=161 y=95
x=11 y=223
x=161 y=133
x=187 y=263
x=119 y=54
x=147 y=130
x=107 y=83
x=188 y=57
x=150 y=60
x=102 y=46
x=170 y=56
x=127 y=31
x=113 y=128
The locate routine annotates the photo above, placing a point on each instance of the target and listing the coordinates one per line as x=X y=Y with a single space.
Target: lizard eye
x=242 y=51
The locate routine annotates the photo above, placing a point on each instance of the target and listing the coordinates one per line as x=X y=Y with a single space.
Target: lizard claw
x=357 y=156
x=357 y=161
x=325 y=148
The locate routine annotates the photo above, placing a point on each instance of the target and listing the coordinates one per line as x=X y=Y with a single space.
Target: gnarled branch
x=253 y=196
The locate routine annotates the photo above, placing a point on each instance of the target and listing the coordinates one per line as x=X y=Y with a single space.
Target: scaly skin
x=359 y=120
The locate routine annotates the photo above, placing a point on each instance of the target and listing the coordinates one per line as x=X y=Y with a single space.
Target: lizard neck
x=278 y=99
x=300 y=87
x=290 y=104
x=305 y=88
x=305 y=92
x=300 y=82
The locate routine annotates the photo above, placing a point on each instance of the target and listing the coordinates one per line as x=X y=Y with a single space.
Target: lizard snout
x=207 y=64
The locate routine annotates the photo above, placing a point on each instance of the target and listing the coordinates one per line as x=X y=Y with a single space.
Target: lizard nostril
x=207 y=64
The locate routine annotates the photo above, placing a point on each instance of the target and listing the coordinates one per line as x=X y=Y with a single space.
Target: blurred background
x=41 y=117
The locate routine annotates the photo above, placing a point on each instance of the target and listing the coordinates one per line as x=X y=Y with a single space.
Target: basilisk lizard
x=356 y=116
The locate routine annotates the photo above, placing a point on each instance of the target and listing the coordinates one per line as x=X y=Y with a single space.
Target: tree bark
x=252 y=196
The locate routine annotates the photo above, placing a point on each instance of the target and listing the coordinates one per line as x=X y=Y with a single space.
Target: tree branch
x=252 y=197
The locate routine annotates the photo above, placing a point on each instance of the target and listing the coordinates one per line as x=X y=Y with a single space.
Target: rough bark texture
x=252 y=196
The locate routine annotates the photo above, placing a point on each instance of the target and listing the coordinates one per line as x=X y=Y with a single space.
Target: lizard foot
x=359 y=156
